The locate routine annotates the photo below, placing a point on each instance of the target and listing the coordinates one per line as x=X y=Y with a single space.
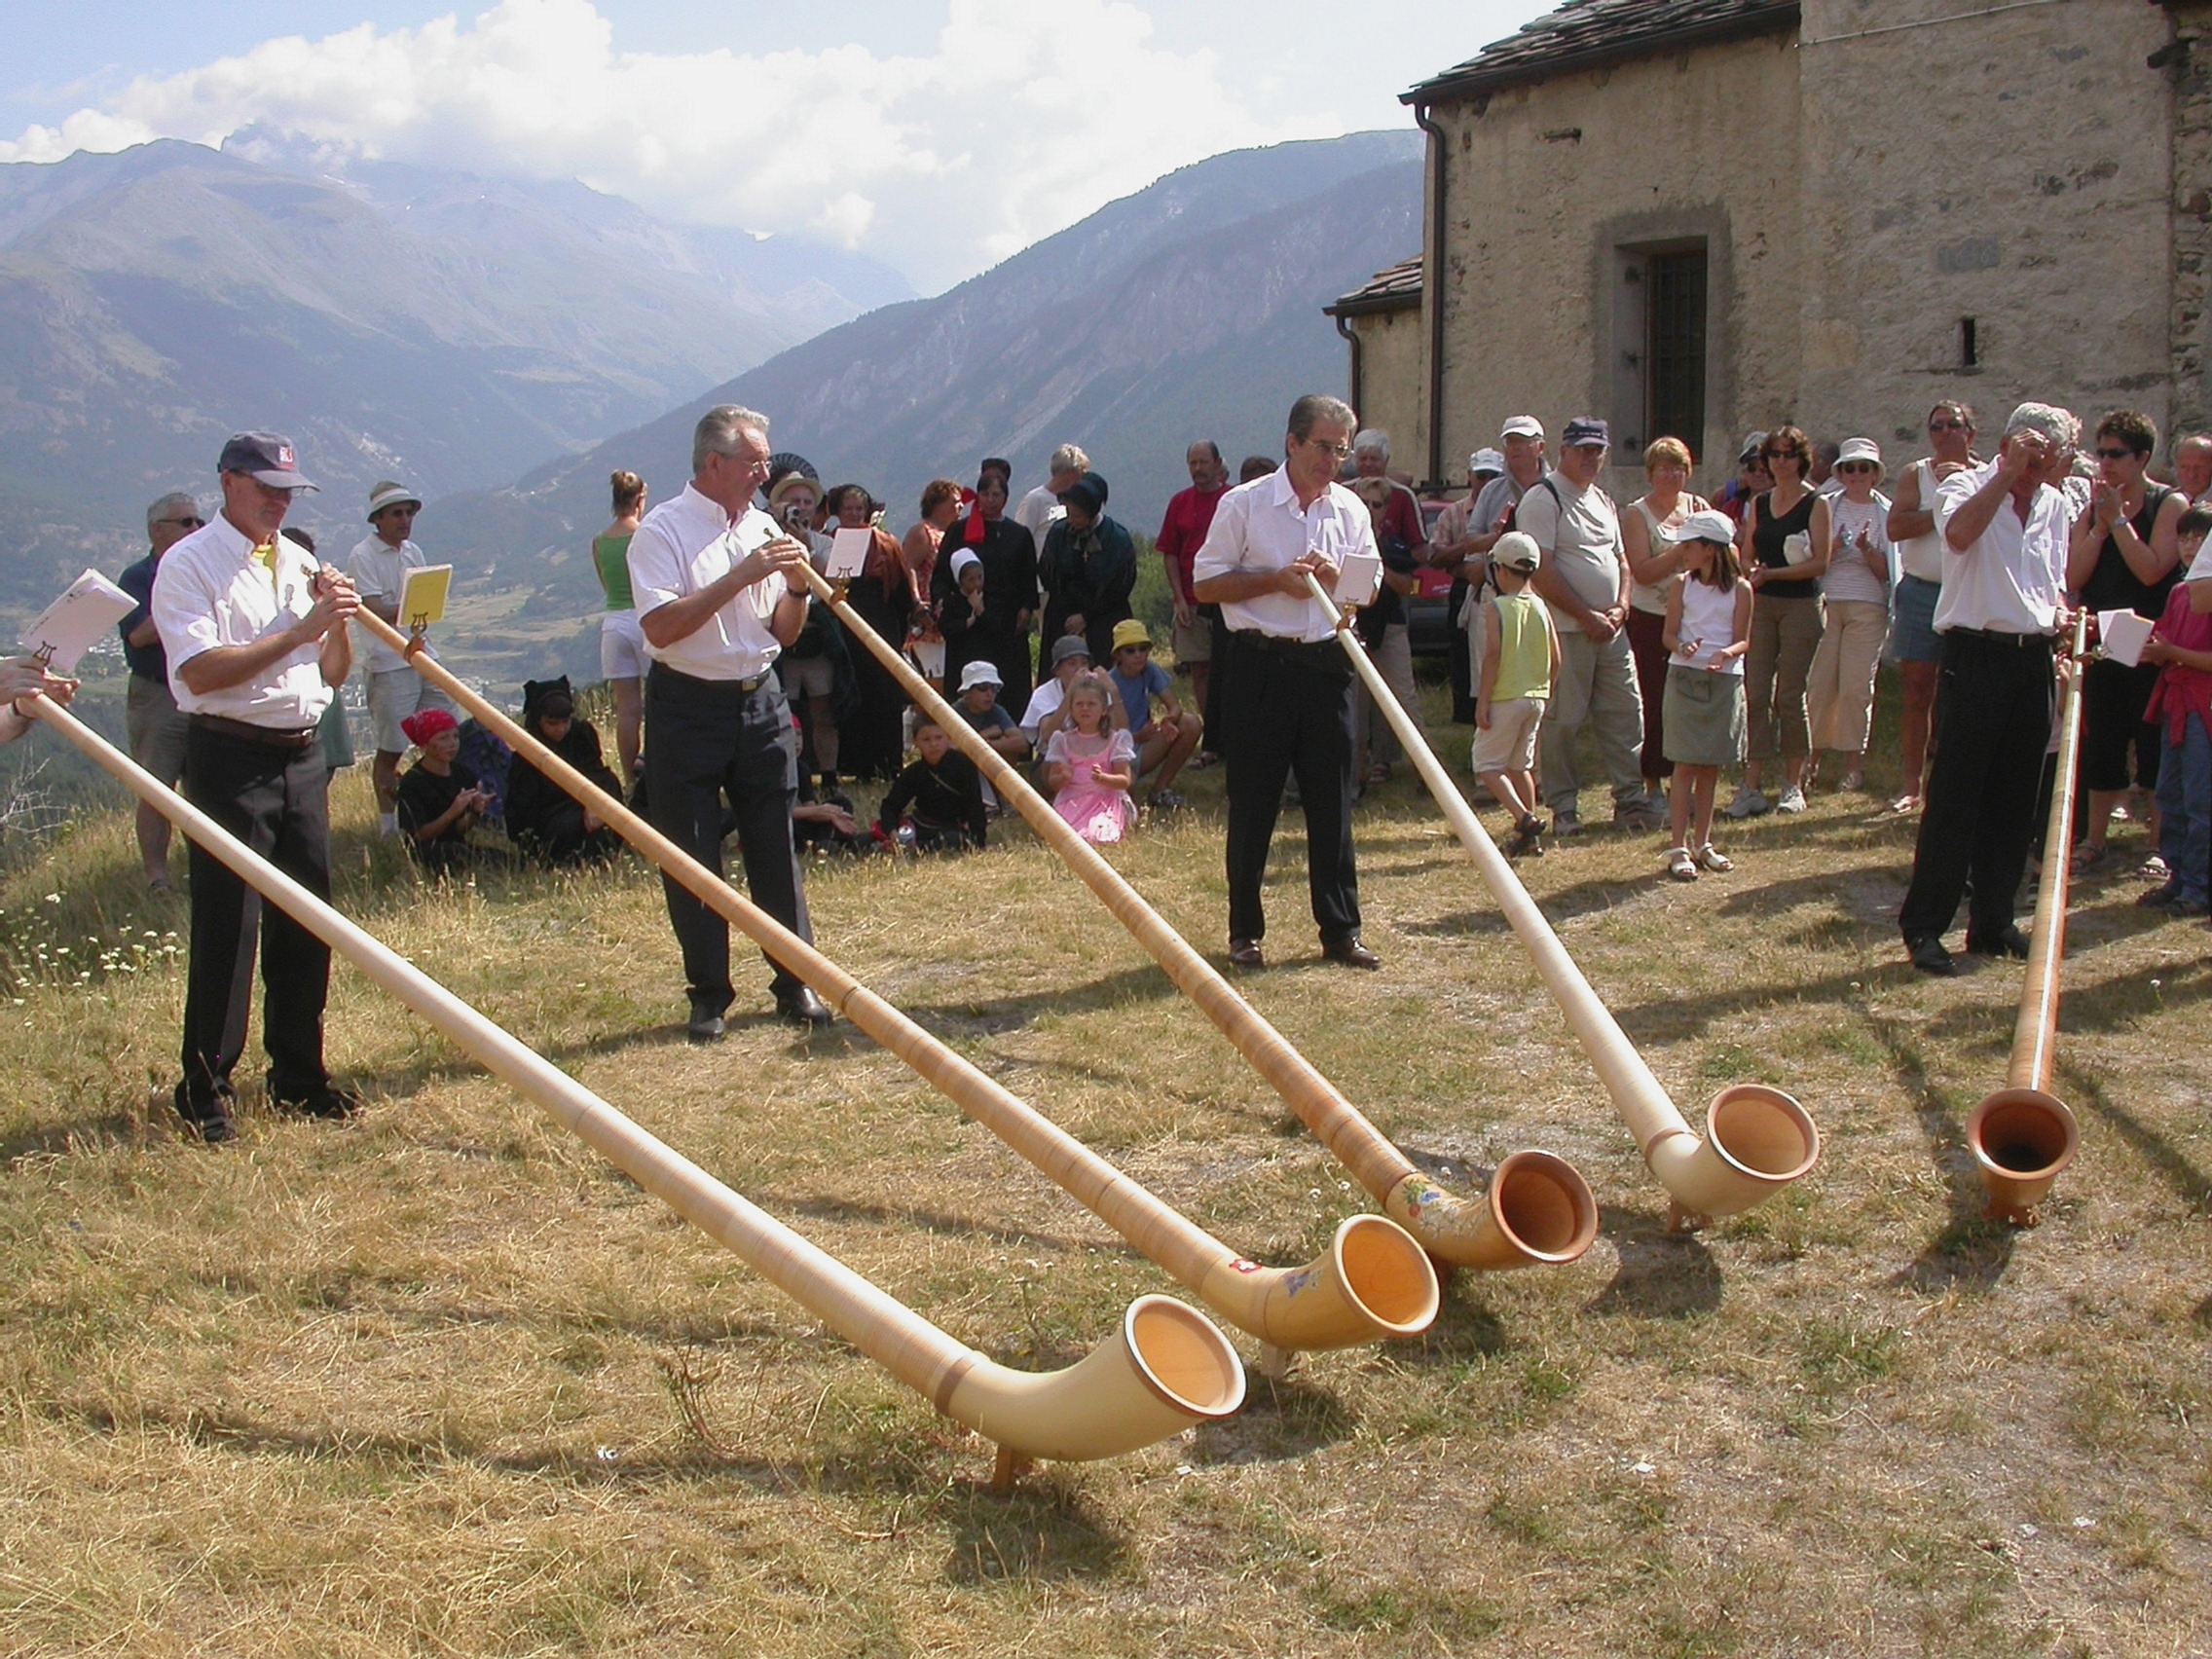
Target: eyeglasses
x=186 y=523
x=1339 y=451
x=2113 y=454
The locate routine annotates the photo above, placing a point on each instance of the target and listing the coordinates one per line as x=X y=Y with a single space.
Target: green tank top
x=1524 y=647
x=612 y=554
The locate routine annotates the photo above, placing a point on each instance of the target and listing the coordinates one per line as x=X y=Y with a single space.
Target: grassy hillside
x=441 y=1383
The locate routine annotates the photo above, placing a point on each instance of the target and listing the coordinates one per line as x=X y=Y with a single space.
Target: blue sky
x=940 y=135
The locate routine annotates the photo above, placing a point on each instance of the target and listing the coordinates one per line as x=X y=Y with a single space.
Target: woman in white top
x=1856 y=587
x=1920 y=581
x=1654 y=565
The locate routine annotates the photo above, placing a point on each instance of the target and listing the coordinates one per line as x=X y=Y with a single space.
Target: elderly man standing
x=378 y=570
x=152 y=722
x=1289 y=703
x=1041 y=507
x=2192 y=465
x=256 y=638
x=1181 y=533
x=719 y=596
x=1584 y=579
x=2005 y=528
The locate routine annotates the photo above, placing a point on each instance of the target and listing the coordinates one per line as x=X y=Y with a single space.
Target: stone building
x=1700 y=217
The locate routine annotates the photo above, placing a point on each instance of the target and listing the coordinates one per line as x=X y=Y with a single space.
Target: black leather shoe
x=332 y=1105
x=1930 y=957
x=1247 y=953
x=801 y=1007
x=1352 y=954
x=2009 y=942
x=706 y=1024
x=209 y=1120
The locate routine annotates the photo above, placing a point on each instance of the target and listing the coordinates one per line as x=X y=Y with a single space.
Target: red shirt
x=1182 y=531
x=2181 y=692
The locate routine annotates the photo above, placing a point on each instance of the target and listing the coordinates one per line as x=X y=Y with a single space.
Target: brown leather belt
x=245 y=731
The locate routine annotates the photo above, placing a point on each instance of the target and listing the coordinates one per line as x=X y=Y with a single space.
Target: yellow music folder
x=423 y=596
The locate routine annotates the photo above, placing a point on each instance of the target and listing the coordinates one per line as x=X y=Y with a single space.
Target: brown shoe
x=1352 y=954
x=1245 y=953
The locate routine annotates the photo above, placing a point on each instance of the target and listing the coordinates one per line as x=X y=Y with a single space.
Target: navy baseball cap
x=265 y=458
x=1585 y=431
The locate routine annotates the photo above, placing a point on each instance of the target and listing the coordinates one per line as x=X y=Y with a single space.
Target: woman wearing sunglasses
x=1784 y=546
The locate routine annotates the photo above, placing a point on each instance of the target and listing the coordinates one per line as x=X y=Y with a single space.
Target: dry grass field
x=441 y=1383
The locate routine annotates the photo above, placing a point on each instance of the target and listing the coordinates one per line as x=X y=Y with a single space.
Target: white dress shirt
x=379 y=571
x=688 y=543
x=1260 y=526
x=2012 y=578
x=209 y=590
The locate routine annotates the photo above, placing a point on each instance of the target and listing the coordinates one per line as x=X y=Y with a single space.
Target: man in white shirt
x=1584 y=581
x=1040 y=509
x=1288 y=703
x=256 y=638
x=719 y=596
x=2005 y=528
x=378 y=570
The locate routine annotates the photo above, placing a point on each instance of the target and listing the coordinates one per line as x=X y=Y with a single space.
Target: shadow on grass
x=1039 y=1529
x=905 y=1216
x=1662 y=1274
x=1282 y=1419
x=2154 y=1149
x=109 y=1129
x=985 y=1017
x=1971 y=1252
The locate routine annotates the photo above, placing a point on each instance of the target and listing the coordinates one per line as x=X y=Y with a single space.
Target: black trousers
x=277 y=801
x=710 y=740
x=1463 y=657
x=1287 y=710
x=1993 y=713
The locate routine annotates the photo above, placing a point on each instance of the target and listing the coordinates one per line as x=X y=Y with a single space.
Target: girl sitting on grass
x=1090 y=764
x=1707 y=632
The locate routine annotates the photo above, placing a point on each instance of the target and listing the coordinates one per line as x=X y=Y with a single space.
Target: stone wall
x=1393 y=392
x=2014 y=170
x=2189 y=71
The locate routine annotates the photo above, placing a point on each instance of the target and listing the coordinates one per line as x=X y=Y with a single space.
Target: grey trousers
x=1596 y=683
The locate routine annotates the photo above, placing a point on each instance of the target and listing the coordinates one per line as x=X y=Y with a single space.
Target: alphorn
x=1537 y=1210
x=2022 y=1136
x=1373 y=1281
x=1167 y=1368
x=1758 y=1139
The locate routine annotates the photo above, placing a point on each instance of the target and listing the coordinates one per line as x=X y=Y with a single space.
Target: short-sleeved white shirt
x=210 y=591
x=1260 y=526
x=379 y=571
x=1580 y=533
x=687 y=543
x=2012 y=578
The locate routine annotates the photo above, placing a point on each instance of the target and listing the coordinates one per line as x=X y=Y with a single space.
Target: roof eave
x=1368 y=306
x=1474 y=83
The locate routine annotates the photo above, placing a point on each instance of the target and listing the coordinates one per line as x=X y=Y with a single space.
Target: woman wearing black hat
x=1089 y=568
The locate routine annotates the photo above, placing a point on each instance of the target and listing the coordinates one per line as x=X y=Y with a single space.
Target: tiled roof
x=1584 y=34
x=1396 y=289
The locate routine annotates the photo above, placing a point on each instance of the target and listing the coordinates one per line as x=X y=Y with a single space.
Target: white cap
x=1522 y=426
x=1516 y=550
x=1485 y=460
x=980 y=672
x=1706 y=526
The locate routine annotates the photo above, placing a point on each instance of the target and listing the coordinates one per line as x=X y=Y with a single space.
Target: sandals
x=1714 y=859
x=2088 y=856
x=1679 y=865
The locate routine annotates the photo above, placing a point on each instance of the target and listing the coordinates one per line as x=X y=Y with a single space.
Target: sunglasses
x=1948 y=426
x=1851 y=466
x=2113 y=454
x=1781 y=455
x=186 y=523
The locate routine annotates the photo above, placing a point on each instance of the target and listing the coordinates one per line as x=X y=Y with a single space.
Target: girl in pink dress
x=1090 y=764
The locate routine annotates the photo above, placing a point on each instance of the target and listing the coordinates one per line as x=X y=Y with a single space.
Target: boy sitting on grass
x=1520 y=655
x=1163 y=744
x=940 y=795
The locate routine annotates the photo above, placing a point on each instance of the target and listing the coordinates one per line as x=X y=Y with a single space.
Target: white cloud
x=1021 y=121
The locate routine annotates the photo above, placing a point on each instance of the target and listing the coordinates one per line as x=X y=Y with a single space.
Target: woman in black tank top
x=2124 y=555
x=1786 y=621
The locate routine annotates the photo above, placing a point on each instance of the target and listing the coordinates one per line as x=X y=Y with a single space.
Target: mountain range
x=449 y=330
x=1190 y=310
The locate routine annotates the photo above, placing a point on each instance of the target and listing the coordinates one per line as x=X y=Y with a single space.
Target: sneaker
x=1567 y=824
x=1749 y=803
x=1638 y=815
x=2189 y=908
x=1166 y=800
x=1792 y=800
x=1679 y=865
x=2158 y=897
x=1713 y=858
x=332 y=1105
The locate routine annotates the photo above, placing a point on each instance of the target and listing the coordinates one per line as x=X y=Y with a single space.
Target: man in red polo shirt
x=1181 y=533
